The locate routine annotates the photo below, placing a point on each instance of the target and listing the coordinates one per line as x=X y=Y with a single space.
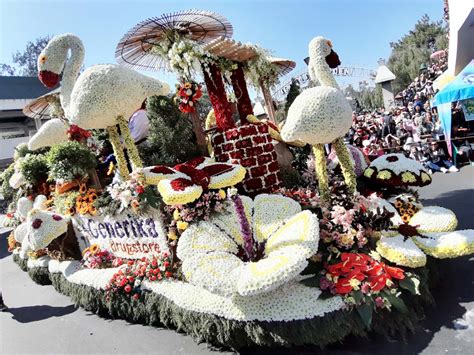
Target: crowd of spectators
x=412 y=127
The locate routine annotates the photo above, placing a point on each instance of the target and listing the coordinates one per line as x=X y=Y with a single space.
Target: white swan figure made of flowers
x=322 y=114
x=103 y=95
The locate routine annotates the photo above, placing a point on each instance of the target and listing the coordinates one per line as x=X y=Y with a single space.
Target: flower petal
x=185 y=194
x=202 y=238
x=447 y=245
x=154 y=174
x=275 y=270
x=269 y=213
x=228 y=220
x=432 y=219
x=301 y=229
x=400 y=252
x=224 y=175
x=214 y=271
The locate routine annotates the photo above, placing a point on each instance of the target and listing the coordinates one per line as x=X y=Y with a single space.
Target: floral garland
x=259 y=69
x=119 y=154
x=321 y=171
x=187 y=95
x=129 y=143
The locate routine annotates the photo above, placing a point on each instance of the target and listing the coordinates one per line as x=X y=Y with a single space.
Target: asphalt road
x=41 y=320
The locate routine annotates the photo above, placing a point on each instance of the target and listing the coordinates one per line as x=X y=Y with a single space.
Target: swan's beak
x=48 y=78
x=333 y=60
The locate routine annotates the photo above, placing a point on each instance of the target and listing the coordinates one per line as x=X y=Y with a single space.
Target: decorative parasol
x=284 y=65
x=42 y=107
x=134 y=49
x=230 y=49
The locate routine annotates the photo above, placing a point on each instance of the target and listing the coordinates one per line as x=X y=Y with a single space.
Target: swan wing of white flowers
x=302 y=229
x=432 y=219
x=214 y=271
x=202 y=238
x=52 y=132
x=44 y=227
x=447 y=245
x=270 y=211
x=401 y=252
x=279 y=267
x=172 y=196
x=21 y=232
x=229 y=221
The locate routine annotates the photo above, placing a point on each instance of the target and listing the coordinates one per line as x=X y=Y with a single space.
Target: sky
x=361 y=30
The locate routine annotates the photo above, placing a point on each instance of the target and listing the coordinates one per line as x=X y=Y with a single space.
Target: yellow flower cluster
x=92 y=249
x=384 y=175
x=85 y=201
x=406 y=210
x=408 y=177
x=346 y=164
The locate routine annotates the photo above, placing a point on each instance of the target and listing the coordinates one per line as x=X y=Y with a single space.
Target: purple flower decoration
x=36 y=223
x=57 y=217
x=244 y=227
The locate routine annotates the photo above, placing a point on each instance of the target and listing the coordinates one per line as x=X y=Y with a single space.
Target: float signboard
x=126 y=235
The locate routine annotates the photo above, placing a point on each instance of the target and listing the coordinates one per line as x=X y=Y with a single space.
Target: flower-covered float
x=218 y=248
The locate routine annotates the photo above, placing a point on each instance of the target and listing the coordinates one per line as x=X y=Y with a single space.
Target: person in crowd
x=139 y=125
x=437 y=160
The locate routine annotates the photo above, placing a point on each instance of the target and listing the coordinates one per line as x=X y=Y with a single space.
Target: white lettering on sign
x=125 y=235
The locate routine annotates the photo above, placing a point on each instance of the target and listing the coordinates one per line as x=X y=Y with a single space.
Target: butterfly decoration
x=185 y=183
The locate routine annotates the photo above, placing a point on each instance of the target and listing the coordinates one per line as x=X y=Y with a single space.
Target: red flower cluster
x=361 y=271
x=187 y=95
x=76 y=133
x=128 y=280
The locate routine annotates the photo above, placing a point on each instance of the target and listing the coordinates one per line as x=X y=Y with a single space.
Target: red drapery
x=244 y=105
x=218 y=97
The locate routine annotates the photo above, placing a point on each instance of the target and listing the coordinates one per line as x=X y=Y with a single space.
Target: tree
x=414 y=49
x=293 y=92
x=369 y=98
x=25 y=62
x=171 y=138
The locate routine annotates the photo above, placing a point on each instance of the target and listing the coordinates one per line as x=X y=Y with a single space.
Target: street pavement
x=41 y=320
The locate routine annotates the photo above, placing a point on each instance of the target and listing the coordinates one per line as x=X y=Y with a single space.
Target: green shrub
x=5 y=189
x=34 y=168
x=70 y=160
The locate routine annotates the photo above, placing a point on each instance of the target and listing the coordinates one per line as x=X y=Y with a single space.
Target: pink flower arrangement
x=95 y=258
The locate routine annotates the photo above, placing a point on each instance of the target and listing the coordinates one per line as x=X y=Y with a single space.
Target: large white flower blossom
x=287 y=236
x=438 y=239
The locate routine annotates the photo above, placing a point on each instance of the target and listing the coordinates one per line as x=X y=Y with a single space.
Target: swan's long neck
x=71 y=70
x=321 y=71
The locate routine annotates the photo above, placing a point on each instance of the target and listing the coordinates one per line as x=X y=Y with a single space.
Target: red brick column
x=250 y=146
x=244 y=105
x=218 y=97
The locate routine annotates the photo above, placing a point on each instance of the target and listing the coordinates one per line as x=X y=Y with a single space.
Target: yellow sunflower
x=405 y=218
x=82 y=188
x=398 y=203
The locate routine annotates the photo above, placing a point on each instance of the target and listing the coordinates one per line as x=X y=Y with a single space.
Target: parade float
x=218 y=247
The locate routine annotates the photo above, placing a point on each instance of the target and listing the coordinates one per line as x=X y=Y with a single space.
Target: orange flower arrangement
x=85 y=201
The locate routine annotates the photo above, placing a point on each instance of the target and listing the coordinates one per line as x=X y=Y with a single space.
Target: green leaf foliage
x=70 y=160
x=311 y=281
x=396 y=302
x=293 y=93
x=365 y=312
x=412 y=284
x=35 y=168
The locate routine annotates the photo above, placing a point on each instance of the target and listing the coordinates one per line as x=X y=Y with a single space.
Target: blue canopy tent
x=460 y=89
